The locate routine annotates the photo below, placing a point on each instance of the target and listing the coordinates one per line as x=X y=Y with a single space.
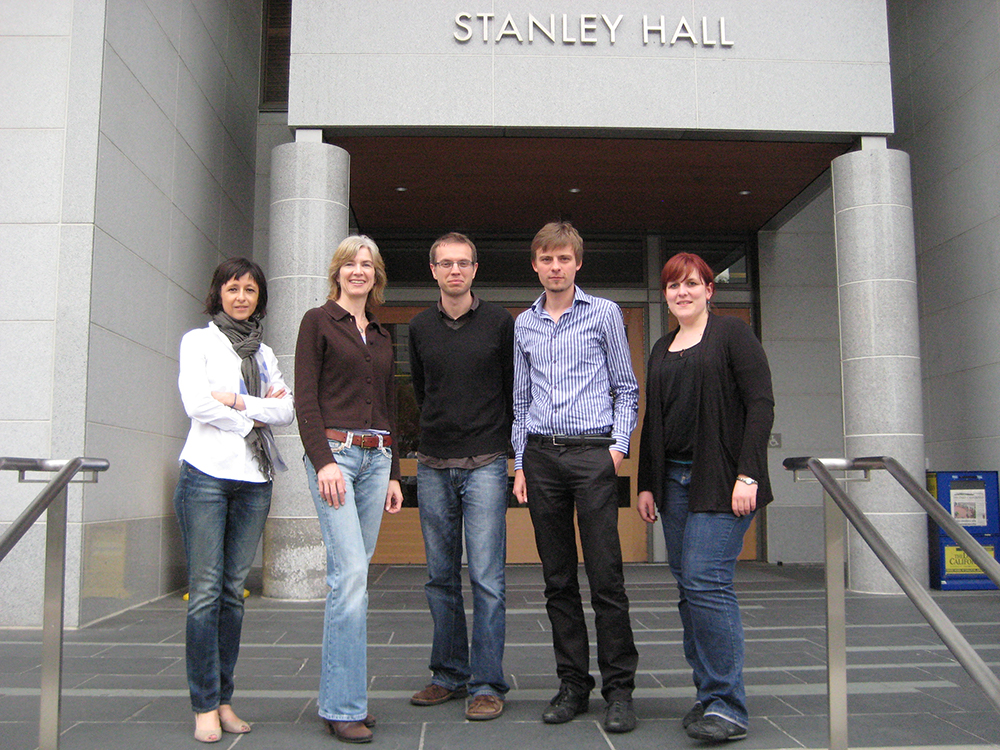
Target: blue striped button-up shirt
x=573 y=377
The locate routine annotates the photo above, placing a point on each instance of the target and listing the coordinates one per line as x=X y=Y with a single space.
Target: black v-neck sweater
x=463 y=381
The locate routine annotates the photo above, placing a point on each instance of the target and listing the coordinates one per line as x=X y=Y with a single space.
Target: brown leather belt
x=364 y=441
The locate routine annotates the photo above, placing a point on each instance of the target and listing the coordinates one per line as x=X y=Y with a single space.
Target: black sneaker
x=712 y=728
x=620 y=717
x=565 y=706
x=695 y=714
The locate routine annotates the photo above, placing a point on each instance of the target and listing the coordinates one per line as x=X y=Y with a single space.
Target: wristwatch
x=746 y=480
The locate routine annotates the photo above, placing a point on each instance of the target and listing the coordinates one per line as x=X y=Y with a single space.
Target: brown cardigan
x=342 y=382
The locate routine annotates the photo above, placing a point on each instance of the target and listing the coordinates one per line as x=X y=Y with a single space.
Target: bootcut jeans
x=702 y=549
x=349 y=533
x=221 y=521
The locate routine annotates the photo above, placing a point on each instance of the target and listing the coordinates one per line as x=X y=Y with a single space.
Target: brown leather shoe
x=484 y=707
x=369 y=721
x=432 y=695
x=354 y=732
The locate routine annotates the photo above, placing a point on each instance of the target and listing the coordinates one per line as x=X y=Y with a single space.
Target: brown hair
x=453 y=238
x=558 y=234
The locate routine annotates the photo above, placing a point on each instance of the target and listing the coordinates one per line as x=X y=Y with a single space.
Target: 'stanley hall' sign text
x=588 y=28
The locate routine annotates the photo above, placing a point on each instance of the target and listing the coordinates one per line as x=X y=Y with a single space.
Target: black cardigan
x=734 y=417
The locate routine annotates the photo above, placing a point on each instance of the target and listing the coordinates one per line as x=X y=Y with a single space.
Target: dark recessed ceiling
x=512 y=184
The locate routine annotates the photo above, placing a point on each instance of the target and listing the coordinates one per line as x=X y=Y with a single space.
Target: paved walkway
x=124 y=684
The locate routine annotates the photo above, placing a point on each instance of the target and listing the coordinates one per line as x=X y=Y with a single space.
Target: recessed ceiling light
x=401 y=189
x=574 y=190
x=743 y=192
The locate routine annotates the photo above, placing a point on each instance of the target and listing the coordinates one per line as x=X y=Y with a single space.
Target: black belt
x=561 y=441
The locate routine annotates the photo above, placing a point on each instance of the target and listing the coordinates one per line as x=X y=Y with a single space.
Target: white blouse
x=215 y=444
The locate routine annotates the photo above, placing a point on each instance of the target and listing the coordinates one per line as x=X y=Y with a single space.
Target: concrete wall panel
x=30 y=65
x=397 y=63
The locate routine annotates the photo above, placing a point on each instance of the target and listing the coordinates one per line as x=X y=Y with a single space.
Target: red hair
x=680 y=266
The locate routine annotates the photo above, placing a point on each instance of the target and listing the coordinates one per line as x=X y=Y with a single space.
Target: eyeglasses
x=447 y=264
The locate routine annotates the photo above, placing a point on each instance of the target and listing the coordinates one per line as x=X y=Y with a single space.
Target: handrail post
x=53 y=501
x=973 y=664
x=52 y=622
x=836 y=623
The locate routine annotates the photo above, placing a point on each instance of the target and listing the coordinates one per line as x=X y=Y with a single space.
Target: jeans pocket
x=337 y=446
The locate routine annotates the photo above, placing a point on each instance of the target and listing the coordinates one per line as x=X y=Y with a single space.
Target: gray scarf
x=245 y=336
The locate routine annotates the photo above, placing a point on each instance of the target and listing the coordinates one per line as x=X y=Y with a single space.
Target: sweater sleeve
x=508 y=367
x=392 y=406
x=416 y=367
x=753 y=380
x=308 y=369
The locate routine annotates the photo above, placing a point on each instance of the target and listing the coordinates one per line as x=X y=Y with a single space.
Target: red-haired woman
x=703 y=466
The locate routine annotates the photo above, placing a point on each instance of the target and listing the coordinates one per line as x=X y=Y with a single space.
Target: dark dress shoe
x=353 y=732
x=620 y=717
x=565 y=706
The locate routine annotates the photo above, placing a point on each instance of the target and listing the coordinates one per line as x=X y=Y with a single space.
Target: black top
x=735 y=411
x=463 y=380
x=678 y=383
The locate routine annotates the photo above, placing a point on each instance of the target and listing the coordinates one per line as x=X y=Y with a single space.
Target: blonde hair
x=346 y=251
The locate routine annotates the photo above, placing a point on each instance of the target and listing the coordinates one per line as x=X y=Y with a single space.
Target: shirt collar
x=579 y=297
x=338 y=313
x=475 y=306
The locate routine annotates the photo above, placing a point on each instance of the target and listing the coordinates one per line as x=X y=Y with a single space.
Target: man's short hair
x=453 y=238
x=558 y=234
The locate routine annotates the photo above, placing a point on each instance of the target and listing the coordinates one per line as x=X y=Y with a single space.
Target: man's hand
x=646 y=506
x=617 y=457
x=520 y=487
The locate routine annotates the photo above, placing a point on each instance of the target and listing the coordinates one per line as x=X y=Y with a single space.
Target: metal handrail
x=52 y=501
x=936 y=618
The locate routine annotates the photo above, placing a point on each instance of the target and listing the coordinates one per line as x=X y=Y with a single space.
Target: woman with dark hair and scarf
x=233 y=392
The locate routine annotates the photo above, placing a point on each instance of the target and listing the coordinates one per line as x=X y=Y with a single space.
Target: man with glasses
x=575 y=406
x=461 y=360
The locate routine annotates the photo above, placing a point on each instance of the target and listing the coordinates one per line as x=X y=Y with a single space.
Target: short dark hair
x=453 y=238
x=236 y=268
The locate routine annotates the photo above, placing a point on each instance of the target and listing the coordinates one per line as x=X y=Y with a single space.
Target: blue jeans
x=349 y=533
x=479 y=497
x=221 y=521
x=702 y=549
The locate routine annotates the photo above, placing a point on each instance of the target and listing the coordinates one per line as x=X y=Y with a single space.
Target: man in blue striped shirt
x=575 y=406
